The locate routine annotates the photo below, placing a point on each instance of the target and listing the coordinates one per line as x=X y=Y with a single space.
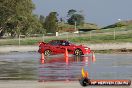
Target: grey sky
x=101 y=12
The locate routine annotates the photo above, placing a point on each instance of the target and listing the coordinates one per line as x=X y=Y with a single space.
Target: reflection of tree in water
x=17 y=70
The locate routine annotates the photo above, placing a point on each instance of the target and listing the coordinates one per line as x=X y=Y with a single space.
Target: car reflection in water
x=56 y=69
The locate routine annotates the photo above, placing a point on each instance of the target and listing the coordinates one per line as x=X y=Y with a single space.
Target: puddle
x=26 y=66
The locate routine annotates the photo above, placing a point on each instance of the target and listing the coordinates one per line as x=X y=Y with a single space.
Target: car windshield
x=54 y=43
x=70 y=42
x=60 y=42
x=66 y=43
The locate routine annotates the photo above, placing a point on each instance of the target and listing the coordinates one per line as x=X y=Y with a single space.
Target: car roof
x=58 y=40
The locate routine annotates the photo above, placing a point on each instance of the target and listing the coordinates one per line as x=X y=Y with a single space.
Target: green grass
x=86 y=39
x=99 y=36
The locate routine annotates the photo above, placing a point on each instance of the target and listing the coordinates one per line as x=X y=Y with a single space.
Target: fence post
x=19 y=40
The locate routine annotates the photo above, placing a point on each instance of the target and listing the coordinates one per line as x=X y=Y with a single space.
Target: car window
x=64 y=43
x=55 y=43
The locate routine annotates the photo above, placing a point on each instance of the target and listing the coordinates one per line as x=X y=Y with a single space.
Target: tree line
x=17 y=18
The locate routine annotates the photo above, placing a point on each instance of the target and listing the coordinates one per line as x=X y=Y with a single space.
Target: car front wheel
x=47 y=52
x=78 y=52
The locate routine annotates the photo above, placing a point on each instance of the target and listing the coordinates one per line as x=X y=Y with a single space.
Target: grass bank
x=83 y=38
x=112 y=35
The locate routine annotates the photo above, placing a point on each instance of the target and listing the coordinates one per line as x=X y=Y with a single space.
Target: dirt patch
x=116 y=47
x=6 y=49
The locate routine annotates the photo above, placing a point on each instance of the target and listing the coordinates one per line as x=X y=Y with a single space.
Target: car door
x=64 y=45
x=55 y=46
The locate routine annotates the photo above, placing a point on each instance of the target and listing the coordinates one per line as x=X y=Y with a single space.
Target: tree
x=79 y=19
x=16 y=17
x=71 y=12
x=6 y=12
x=34 y=26
x=41 y=19
x=75 y=17
x=51 y=22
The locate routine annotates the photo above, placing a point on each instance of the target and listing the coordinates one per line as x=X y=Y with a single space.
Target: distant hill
x=119 y=24
x=64 y=27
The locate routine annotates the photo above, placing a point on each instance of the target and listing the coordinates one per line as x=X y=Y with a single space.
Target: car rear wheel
x=78 y=52
x=47 y=52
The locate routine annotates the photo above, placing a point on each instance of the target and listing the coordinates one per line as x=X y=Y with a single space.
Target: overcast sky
x=101 y=12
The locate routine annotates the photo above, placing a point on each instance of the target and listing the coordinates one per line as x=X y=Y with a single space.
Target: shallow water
x=27 y=66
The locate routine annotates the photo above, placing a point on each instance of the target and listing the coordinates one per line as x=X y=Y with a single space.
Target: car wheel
x=47 y=52
x=78 y=52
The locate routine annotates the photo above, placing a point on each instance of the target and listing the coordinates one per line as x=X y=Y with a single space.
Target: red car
x=59 y=47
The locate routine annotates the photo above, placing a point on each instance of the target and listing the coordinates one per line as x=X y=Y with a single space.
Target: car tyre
x=78 y=52
x=47 y=52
